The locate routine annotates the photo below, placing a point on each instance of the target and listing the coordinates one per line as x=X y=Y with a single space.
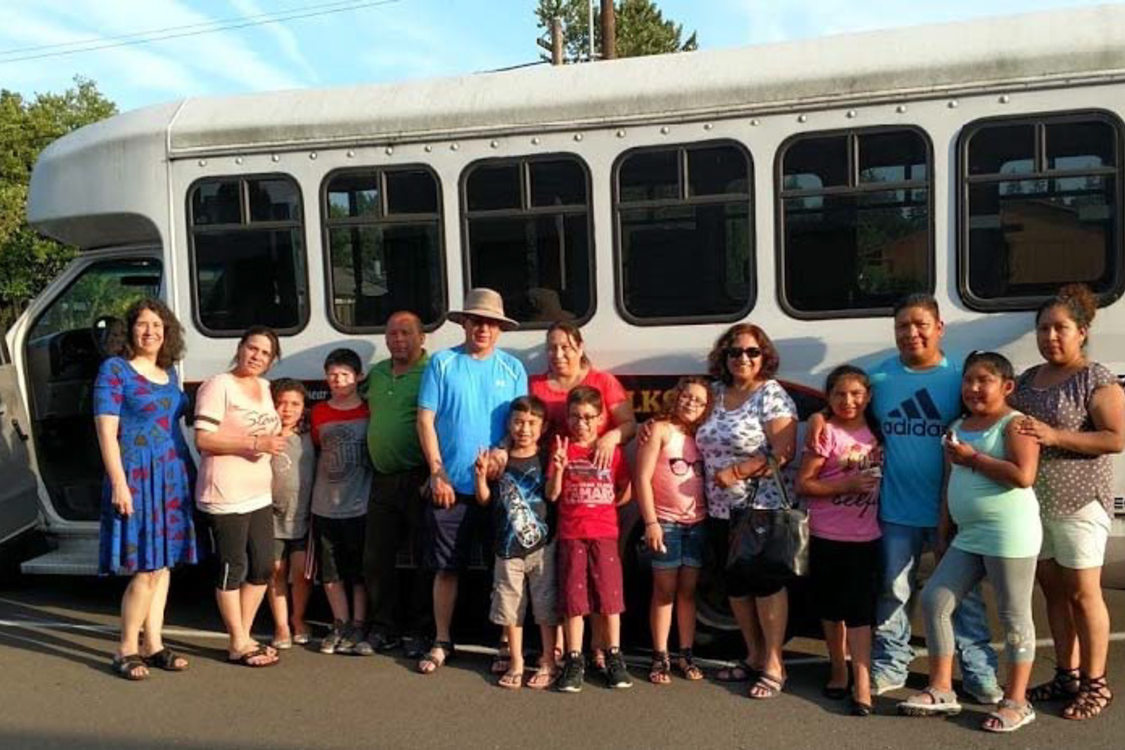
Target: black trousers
x=401 y=601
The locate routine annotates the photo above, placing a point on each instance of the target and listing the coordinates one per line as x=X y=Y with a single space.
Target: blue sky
x=397 y=40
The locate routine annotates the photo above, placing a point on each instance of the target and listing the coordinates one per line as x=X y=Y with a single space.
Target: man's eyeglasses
x=734 y=352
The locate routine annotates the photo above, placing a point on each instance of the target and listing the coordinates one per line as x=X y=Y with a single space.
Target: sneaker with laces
x=616 y=673
x=330 y=643
x=350 y=635
x=573 y=674
x=881 y=685
x=363 y=645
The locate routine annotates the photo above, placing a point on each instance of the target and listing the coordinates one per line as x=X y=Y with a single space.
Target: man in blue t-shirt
x=914 y=396
x=462 y=407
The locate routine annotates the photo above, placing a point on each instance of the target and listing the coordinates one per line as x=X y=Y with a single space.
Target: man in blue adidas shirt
x=914 y=396
x=462 y=407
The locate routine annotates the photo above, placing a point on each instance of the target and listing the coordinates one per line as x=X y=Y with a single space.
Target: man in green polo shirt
x=401 y=605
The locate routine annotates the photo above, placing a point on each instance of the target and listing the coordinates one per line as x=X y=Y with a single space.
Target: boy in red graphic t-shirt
x=589 y=567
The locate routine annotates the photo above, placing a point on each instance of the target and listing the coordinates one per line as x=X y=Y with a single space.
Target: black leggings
x=242 y=544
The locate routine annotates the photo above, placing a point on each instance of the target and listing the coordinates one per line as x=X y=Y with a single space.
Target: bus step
x=73 y=557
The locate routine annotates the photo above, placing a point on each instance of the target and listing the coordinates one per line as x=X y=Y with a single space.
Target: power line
x=176 y=32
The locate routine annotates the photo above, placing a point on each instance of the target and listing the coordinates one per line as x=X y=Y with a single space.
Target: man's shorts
x=450 y=533
x=685 y=546
x=517 y=580
x=339 y=544
x=590 y=578
x=1077 y=541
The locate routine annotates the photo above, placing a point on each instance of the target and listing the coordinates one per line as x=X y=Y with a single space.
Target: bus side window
x=856 y=222
x=684 y=236
x=248 y=254
x=528 y=235
x=384 y=232
x=1039 y=208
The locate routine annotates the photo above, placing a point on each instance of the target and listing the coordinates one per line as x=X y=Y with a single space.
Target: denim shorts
x=685 y=545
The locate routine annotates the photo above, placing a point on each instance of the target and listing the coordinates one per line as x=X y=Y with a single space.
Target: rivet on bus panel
x=577 y=136
x=454 y=146
x=275 y=157
x=238 y=160
x=707 y=126
x=1004 y=98
x=952 y=104
x=755 y=122
x=850 y=114
x=494 y=144
x=428 y=148
x=203 y=162
x=388 y=150
x=351 y=154
x=802 y=118
x=665 y=130
x=312 y=155
x=535 y=141
x=620 y=133
x=900 y=108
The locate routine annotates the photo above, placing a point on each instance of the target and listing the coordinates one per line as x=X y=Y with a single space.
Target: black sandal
x=1063 y=686
x=660 y=673
x=739 y=672
x=126 y=666
x=687 y=667
x=429 y=663
x=1093 y=697
x=166 y=659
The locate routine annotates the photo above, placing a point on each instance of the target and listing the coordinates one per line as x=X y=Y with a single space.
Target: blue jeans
x=891 y=653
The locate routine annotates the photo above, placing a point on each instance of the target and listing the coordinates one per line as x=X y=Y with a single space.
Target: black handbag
x=770 y=545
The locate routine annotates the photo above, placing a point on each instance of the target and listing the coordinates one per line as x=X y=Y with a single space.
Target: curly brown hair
x=717 y=358
x=1079 y=302
x=172 y=350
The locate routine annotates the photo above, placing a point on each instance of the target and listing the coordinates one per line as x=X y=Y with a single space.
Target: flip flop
x=511 y=680
x=246 y=659
x=502 y=661
x=543 y=678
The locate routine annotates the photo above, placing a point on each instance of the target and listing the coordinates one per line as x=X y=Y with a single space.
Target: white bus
x=804 y=186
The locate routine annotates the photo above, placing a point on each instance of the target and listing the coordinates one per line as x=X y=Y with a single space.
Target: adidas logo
x=917 y=415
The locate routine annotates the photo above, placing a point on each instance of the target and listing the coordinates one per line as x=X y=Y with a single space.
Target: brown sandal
x=1093 y=697
x=687 y=667
x=660 y=673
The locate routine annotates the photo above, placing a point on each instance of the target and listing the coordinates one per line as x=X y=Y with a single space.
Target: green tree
x=28 y=262
x=641 y=29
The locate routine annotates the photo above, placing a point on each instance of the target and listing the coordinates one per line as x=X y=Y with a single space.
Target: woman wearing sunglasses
x=751 y=418
x=669 y=491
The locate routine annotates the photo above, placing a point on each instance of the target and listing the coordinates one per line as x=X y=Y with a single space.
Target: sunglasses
x=681 y=467
x=751 y=352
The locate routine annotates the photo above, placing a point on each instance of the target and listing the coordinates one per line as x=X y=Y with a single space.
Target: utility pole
x=609 y=31
x=556 y=41
x=590 y=26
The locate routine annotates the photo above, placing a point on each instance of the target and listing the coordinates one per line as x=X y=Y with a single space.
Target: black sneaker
x=616 y=675
x=383 y=642
x=573 y=674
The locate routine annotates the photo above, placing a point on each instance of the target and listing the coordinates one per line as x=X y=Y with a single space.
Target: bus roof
x=1031 y=50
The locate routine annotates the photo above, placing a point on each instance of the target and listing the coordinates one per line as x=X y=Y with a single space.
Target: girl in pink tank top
x=669 y=491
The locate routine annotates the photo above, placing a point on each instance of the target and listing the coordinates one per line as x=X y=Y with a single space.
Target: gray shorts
x=519 y=579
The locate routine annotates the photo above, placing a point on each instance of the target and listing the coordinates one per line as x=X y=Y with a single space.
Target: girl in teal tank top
x=989 y=501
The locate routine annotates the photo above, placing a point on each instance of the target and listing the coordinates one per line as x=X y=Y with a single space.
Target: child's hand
x=481 y=465
x=558 y=456
x=497 y=462
x=860 y=483
x=959 y=453
x=654 y=538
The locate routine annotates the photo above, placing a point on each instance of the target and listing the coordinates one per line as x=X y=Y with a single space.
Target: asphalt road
x=56 y=691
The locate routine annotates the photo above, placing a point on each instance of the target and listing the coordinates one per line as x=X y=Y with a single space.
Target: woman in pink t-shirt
x=841 y=475
x=237 y=430
x=669 y=490
x=568 y=366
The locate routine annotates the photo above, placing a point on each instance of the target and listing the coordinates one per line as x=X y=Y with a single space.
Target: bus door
x=19 y=490
x=59 y=343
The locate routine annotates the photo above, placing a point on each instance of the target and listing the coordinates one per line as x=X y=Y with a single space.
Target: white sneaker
x=882 y=686
x=987 y=696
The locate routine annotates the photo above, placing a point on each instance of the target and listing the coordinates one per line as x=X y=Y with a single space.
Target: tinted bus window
x=1040 y=208
x=684 y=235
x=527 y=235
x=384 y=245
x=248 y=254
x=856 y=228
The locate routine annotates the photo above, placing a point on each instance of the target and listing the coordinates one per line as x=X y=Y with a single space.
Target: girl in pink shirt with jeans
x=669 y=487
x=840 y=475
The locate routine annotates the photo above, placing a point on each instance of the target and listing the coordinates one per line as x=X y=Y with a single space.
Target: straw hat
x=484 y=303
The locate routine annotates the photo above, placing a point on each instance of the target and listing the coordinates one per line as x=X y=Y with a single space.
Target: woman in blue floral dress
x=146 y=519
